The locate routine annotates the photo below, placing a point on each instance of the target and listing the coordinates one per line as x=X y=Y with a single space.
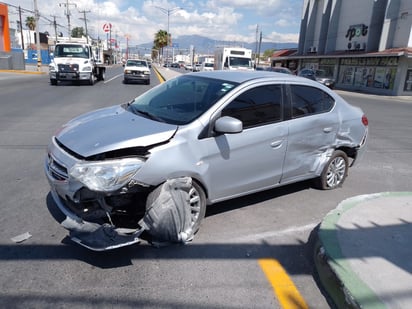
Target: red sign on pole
x=107 y=27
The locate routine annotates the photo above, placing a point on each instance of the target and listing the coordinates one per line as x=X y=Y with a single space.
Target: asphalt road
x=220 y=268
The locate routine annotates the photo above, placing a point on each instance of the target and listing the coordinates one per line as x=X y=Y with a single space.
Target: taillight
x=365 y=120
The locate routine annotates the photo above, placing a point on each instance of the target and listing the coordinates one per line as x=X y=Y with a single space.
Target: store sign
x=356 y=31
x=372 y=61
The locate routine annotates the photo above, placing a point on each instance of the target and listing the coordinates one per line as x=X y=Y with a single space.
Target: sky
x=137 y=21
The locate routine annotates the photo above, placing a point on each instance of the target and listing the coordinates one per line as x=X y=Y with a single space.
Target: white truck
x=207 y=63
x=75 y=61
x=233 y=58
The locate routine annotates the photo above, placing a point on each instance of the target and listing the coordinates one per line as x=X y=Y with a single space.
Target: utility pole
x=37 y=16
x=21 y=29
x=55 y=28
x=85 y=23
x=67 y=6
x=260 y=44
x=256 y=49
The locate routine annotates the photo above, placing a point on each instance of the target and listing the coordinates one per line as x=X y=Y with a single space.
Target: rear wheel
x=102 y=74
x=334 y=172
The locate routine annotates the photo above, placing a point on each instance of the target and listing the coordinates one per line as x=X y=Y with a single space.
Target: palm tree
x=160 y=40
x=31 y=22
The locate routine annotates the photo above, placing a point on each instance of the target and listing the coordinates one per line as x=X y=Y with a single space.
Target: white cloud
x=216 y=19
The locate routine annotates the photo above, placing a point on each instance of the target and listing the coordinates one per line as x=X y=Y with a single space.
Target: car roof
x=244 y=76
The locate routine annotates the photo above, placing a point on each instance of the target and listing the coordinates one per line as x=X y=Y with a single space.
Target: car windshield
x=239 y=62
x=75 y=51
x=321 y=73
x=136 y=63
x=181 y=100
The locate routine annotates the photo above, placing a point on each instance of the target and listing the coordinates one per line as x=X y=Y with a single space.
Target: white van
x=207 y=66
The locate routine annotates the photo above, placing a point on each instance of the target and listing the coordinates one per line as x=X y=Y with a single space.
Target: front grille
x=68 y=68
x=57 y=170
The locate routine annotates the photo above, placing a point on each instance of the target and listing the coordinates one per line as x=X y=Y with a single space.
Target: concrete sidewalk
x=165 y=73
x=364 y=252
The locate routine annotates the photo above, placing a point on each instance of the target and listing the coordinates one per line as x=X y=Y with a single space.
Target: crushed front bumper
x=96 y=237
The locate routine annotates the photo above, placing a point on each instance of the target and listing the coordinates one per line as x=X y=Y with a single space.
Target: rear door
x=312 y=126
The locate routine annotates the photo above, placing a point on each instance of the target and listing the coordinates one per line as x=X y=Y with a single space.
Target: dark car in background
x=318 y=75
x=280 y=70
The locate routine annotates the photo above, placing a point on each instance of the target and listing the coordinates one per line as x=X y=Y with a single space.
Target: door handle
x=327 y=129
x=276 y=144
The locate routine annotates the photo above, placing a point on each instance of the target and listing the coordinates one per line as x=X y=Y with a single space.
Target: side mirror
x=229 y=125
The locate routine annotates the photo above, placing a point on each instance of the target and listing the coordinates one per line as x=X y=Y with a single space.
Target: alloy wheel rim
x=336 y=172
x=194 y=201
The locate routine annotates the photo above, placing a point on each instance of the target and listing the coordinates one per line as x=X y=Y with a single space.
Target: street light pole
x=168 y=12
x=37 y=17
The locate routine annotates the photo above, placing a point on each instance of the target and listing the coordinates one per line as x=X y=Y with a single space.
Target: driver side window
x=257 y=106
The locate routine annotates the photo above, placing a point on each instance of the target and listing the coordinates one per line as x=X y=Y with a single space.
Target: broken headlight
x=106 y=176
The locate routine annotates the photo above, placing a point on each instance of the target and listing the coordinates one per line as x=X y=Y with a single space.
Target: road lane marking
x=159 y=76
x=286 y=292
x=114 y=77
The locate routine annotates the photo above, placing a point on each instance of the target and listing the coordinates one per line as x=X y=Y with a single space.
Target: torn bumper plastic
x=94 y=236
x=167 y=220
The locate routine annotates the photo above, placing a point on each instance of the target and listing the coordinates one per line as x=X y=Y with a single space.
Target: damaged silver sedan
x=152 y=165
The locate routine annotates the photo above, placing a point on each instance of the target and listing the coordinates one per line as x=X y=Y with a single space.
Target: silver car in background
x=230 y=133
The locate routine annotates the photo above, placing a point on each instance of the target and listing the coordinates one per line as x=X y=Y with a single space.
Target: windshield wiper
x=147 y=114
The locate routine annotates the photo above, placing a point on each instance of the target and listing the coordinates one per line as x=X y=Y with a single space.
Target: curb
x=159 y=75
x=337 y=278
x=23 y=72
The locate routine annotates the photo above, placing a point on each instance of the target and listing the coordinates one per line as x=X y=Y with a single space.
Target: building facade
x=364 y=45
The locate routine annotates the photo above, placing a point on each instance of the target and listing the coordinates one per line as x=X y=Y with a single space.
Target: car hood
x=70 y=60
x=110 y=129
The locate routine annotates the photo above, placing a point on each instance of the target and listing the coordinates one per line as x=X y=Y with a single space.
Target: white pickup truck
x=75 y=62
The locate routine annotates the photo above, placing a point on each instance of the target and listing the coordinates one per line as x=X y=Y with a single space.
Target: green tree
x=160 y=40
x=155 y=53
x=31 y=22
x=77 y=32
x=268 y=53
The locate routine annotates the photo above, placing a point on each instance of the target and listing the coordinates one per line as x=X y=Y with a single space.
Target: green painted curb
x=341 y=283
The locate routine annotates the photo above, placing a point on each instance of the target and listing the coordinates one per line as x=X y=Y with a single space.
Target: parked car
x=280 y=70
x=197 y=66
x=207 y=66
x=319 y=76
x=188 y=67
x=136 y=70
x=226 y=133
x=175 y=65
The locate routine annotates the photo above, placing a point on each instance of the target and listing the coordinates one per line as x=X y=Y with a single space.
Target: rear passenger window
x=308 y=100
x=257 y=106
